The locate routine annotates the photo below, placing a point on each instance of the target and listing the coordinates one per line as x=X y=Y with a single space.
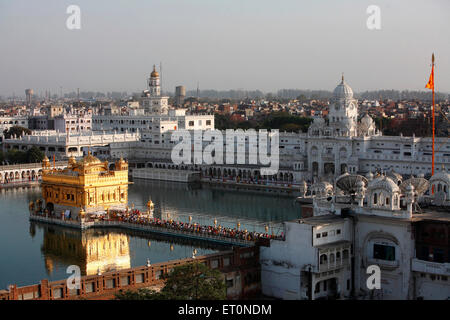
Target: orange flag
x=430 y=84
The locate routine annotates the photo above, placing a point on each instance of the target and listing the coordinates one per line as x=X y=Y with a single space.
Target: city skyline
x=222 y=46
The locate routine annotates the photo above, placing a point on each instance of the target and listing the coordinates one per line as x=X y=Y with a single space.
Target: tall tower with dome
x=151 y=101
x=343 y=113
x=154 y=83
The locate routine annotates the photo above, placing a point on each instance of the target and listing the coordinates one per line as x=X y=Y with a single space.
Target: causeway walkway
x=145 y=228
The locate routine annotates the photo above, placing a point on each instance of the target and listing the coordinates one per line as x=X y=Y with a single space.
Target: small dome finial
x=154 y=73
x=342 y=77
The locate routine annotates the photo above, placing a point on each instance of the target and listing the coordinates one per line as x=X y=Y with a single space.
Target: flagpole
x=432 y=164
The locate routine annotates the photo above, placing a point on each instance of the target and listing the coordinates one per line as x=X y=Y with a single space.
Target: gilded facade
x=86 y=184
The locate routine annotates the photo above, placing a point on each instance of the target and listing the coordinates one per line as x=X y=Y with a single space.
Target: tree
x=192 y=281
x=34 y=154
x=17 y=131
x=285 y=121
x=16 y=156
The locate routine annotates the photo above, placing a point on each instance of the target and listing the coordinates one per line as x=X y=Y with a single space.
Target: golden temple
x=84 y=186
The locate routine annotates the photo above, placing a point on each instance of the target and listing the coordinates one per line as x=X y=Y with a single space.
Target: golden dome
x=72 y=160
x=154 y=73
x=90 y=159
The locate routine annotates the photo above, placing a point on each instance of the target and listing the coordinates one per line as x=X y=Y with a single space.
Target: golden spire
x=154 y=73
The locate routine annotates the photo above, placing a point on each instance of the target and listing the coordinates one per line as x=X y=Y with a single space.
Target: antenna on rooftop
x=198 y=90
x=160 y=76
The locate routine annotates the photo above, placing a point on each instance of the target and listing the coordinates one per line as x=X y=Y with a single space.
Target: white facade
x=378 y=227
x=73 y=123
x=64 y=145
x=344 y=144
x=8 y=122
x=316 y=253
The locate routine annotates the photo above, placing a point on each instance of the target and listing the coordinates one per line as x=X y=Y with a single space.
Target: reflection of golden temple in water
x=92 y=250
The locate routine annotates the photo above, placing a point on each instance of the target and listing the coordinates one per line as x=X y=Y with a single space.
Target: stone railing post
x=43 y=290
x=13 y=292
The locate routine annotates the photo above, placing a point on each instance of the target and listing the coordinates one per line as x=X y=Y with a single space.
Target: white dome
x=343 y=91
x=441 y=176
x=367 y=120
x=385 y=183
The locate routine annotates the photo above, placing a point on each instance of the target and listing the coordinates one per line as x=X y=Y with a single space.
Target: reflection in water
x=180 y=201
x=103 y=250
x=92 y=250
x=30 y=252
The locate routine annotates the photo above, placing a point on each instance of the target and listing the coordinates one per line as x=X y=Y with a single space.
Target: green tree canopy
x=34 y=154
x=17 y=131
x=192 y=281
x=16 y=156
x=285 y=121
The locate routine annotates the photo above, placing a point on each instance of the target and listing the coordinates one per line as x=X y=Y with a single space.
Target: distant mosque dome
x=343 y=91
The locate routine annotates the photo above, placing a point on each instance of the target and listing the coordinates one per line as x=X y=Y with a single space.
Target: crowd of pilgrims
x=135 y=216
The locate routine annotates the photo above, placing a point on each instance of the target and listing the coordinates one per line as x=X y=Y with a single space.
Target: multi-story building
x=8 y=122
x=69 y=122
x=64 y=145
x=153 y=115
x=329 y=148
x=369 y=224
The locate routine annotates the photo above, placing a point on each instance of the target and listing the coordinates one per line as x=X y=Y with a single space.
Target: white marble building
x=378 y=223
x=153 y=116
x=345 y=142
x=8 y=122
x=64 y=145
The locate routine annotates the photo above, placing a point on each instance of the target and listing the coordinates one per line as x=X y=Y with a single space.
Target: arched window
x=323 y=259
x=375 y=198
x=387 y=201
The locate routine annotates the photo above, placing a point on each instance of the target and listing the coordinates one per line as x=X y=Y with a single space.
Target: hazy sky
x=222 y=44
